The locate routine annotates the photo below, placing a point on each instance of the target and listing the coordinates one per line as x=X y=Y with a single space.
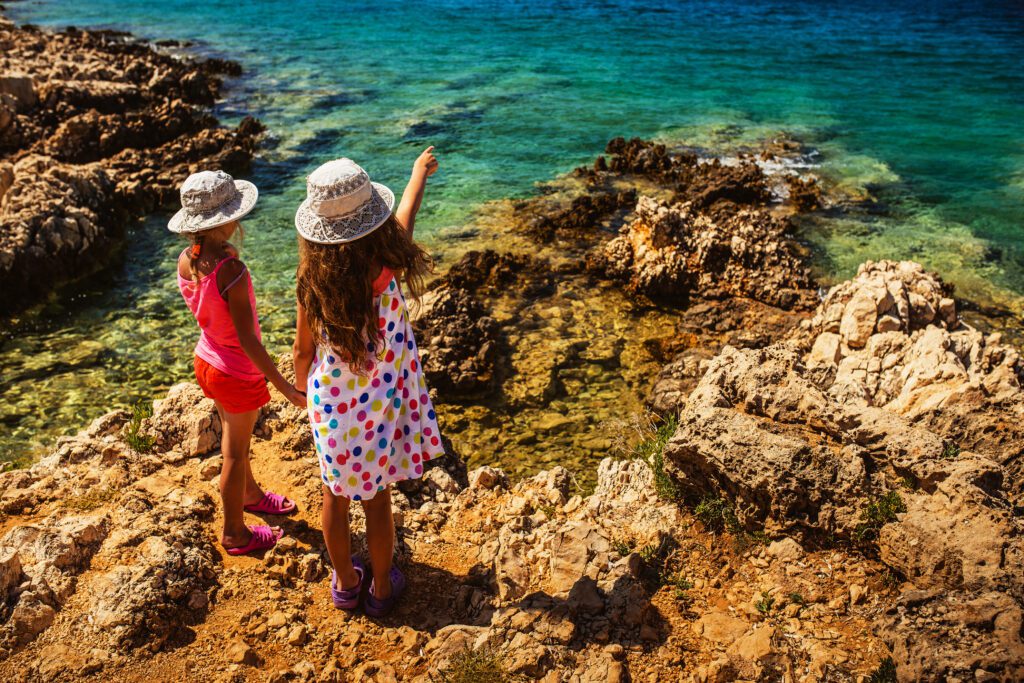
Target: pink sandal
x=263 y=538
x=272 y=504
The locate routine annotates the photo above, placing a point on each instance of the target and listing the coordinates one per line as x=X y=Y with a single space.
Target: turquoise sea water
x=919 y=104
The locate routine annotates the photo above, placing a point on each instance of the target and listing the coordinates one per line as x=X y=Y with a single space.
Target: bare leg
x=380 y=537
x=234 y=446
x=334 y=519
x=253 y=491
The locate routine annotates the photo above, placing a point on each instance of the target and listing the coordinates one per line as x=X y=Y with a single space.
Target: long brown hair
x=335 y=285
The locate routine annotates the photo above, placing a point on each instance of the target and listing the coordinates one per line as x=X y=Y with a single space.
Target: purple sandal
x=348 y=598
x=381 y=608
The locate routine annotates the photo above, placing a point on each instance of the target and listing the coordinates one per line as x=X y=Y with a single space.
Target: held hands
x=296 y=397
x=426 y=163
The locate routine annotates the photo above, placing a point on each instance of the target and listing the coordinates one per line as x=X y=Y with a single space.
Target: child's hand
x=426 y=163
x=296 y=397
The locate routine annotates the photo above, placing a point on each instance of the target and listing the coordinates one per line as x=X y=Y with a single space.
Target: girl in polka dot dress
x=355 y=357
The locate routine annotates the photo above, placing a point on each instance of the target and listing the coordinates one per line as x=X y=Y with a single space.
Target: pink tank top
x=218 y=342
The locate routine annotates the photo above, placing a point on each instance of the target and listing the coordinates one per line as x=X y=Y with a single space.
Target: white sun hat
x=342 y=204
x=210 y=199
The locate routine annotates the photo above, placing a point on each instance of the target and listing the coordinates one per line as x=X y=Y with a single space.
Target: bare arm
x=302 y=350
x=424 y=167
x=241 y=316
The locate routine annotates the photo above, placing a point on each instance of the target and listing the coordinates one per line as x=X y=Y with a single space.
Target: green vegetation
x=643 y=436
x=880 y=511
x=885 y=673
x=950 y=450
x=659 y=560
x=133 y=435
x=797 y=599
x=91 y=499
x=476 y=666
x=891 y=579
x=717 y=514
x=622 y=547
x=680 y=585
x=765 y=603
x=652 y=451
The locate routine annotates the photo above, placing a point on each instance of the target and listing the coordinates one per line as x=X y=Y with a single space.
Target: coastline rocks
x=674 y=252
x=583 y=217
x=891 y=338
x=41 y=563
x=707 y=184
x=459 y=344
x=96 y=130
x=186 y=418
x=801 y=443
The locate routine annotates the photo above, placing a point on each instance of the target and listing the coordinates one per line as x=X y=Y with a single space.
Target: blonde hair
x=197 y=244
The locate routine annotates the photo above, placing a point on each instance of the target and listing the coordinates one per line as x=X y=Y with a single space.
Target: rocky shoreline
x=96 y=130
x=832 y=491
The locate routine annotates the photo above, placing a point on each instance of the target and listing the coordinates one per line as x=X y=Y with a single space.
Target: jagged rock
x=487 y=478
x=804 y=193
x=239 y=652
x=491 y=271
x=807 y=449
x=460 y=346
x=925 y=365
x=144 y=602
x=675 y=251
x=583 y=217
x=44 y=561
x=100 y=130
x=187 y=420
x=938 y=635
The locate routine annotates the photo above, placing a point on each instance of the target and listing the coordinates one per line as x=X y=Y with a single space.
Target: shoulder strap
x=224 y=290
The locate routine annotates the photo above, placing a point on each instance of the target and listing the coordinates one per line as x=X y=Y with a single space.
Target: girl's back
x=204 y=287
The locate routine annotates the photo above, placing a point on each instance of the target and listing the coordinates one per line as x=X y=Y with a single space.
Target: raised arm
x=424 y=167
x=241 y=316
x=302 y=349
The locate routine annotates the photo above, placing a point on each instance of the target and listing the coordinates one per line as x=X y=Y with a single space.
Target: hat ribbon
x=344 y=205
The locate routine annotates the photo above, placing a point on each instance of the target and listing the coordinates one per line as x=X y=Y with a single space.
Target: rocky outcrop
x=674 y=252
x=117 y=549
x=844 y=434
x=96 y=129
x=459 y=344
x=891 y=338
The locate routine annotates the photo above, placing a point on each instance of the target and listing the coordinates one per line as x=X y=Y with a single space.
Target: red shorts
x=234 y=394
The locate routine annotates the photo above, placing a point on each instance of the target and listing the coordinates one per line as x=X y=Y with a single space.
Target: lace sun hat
x=210 y=199
x=342 y=204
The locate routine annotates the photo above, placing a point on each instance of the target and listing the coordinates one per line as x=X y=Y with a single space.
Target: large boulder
x=100 y=129
x=186 y=420
x=40 y=566
x=891 y=338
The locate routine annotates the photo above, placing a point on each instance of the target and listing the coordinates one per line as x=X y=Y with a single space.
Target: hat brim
x=350 y=227
x=185 y=222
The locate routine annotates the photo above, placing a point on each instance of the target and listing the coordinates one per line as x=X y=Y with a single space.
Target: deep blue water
x=919 y=105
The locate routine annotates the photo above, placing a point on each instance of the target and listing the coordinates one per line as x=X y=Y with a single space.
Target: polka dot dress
x=374 y=429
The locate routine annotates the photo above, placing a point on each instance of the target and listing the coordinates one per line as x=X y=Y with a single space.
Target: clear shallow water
x=920 y=106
